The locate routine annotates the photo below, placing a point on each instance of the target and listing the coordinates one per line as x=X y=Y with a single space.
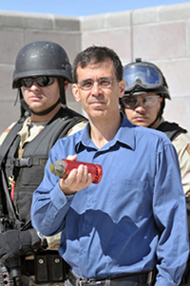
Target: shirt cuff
x=58 y=198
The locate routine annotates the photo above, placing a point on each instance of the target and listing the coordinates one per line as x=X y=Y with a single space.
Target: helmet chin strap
x=159 y=114
x=25 y=106
x=42 y=113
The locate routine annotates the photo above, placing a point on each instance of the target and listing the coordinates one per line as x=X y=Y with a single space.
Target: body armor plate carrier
x=29 y=170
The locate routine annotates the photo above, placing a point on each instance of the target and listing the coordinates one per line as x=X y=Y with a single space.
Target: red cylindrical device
x=63 y=167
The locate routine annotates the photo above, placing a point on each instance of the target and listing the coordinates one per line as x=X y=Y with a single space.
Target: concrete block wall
x=160 y=35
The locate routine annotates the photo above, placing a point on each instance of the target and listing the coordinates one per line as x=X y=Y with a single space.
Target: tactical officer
x=42 y=75
x=143 y=103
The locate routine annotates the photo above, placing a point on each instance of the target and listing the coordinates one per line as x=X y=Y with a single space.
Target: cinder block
x=69 y=41
x=39 y=21
x=161 y=41
x=175 y=12
x=188 y=37
x=7 y=93
x=117 y=39
x=69 y=95
x=12 y=41
x=66 y=23
x=106 y=21
x=77 y=107
x=94 y=22
x=145 y=16
x=24 y=20
x=177 y=73
x=118 y=20
x=9 y=114
x=178 y=111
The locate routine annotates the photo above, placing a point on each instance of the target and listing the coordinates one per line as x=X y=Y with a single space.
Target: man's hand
x=77 y=180
x=15 y=243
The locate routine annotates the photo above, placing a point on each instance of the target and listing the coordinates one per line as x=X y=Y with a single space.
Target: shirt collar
x=124 y=135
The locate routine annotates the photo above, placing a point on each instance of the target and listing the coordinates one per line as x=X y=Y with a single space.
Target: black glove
x=15 y=243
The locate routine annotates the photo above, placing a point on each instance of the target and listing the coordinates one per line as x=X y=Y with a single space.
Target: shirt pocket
x=130 y=197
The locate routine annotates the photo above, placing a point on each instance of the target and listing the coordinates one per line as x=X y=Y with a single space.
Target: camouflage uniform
x=182 y=146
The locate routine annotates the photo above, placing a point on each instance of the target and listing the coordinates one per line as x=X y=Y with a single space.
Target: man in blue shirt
x=114 y=232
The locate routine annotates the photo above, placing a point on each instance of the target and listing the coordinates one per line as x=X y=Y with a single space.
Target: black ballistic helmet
x=42 y=58
x=143 y=78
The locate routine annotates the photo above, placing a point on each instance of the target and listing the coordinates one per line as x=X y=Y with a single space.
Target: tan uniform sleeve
x=53 y=241
x=77 y=127
x=5 y=133
x=182 y=145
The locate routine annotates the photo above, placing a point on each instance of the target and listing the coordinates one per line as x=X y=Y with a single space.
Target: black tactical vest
x=172 y=130
x=28 y=171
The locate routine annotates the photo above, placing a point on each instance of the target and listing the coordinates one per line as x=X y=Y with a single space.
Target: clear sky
x=80 y=7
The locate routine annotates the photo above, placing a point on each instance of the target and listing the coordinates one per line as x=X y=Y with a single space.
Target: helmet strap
x=159 y=113
x=45 y=111
x=25 y=107
x=158 y=116
x=62 y=90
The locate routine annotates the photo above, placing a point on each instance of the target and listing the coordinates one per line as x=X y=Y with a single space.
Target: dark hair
x=94 y=55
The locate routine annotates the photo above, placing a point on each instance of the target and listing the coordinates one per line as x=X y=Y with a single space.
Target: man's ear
x=66 y=84
x=160 y=99
x=75 y=92
x=121 y=88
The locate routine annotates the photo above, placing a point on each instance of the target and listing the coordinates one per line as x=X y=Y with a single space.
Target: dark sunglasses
x=42 y=81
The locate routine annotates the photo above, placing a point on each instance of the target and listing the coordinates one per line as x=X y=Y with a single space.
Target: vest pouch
x=50 y=267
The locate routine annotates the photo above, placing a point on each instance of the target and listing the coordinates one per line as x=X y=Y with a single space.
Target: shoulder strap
x=172 y=130
x=36 y=152
x=10 y=138
x=57 y=128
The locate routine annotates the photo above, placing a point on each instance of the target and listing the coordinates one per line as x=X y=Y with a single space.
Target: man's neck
x=103 y=132
x=47 y=117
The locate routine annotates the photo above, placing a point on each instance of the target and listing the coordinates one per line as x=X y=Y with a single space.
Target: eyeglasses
x=132 y=102
x=104 y=82
x=42 y=81
x=142 y=75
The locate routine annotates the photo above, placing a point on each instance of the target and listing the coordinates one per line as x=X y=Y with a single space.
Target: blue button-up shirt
x=133 y=219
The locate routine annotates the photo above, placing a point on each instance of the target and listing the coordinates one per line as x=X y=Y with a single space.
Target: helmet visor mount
x=141 y=76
